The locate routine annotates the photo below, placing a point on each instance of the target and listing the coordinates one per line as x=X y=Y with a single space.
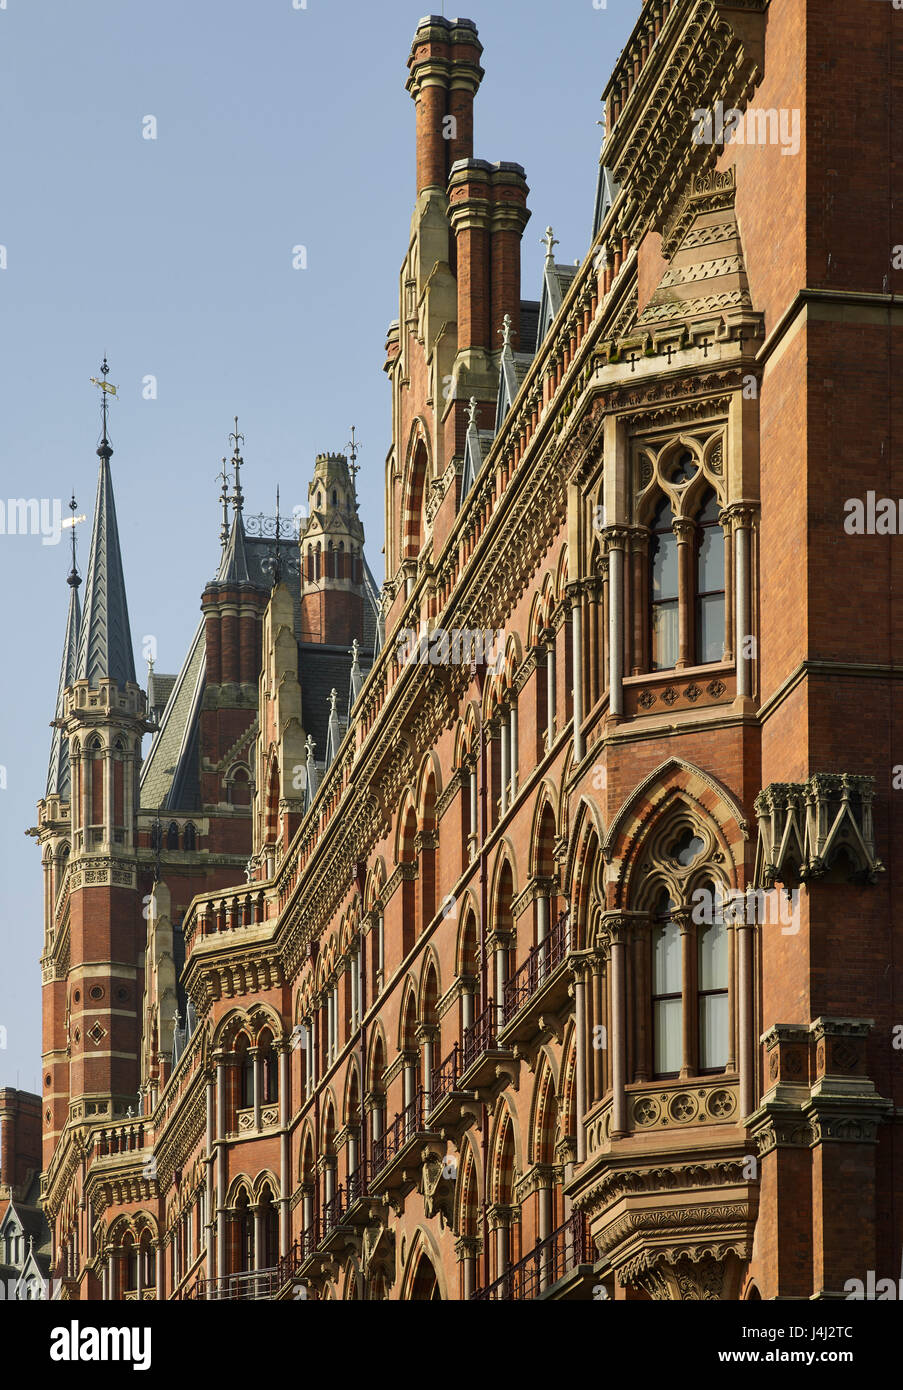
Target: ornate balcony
x=560 y=1267
x=449 y=1101
x=251 y=1285
x=539 y=987
x=484 y=1057
x=396 y=1157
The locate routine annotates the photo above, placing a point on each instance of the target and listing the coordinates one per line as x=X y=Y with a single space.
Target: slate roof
x=105 y=639
x=170 y=778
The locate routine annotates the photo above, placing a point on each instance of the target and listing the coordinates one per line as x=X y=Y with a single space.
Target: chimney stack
x=445 y=76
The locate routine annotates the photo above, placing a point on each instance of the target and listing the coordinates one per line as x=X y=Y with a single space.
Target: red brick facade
x=467 y=1032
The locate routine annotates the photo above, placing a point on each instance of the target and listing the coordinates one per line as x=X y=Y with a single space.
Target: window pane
x=664 y=636
x=666 y=960
x=668 y=1029
x=713 y=1031
x=710 y=573
x=664 y=566
x=713 y=957
x=710 y=635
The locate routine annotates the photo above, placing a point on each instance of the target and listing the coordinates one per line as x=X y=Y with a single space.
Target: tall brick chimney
x=445 y=75
x=510 y=216
x=20 y=1136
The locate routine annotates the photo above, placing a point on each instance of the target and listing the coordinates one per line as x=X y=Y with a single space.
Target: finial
x=472 y=413
x=355 y=649
x=224 y=503
x=107 y=389
x=73 y=573
x=353 y=468
x=333 y=697
x=237 y=461
x=309 y=748
x=505 y=331
x=548 y=241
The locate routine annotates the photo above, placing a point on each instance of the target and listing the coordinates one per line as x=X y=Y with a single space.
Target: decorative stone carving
x=805 y=827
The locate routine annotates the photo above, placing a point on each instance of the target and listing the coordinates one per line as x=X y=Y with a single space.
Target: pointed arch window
x=667 y=992
x=190 y=838
x=664 y=588
x=709 y=582
x=712 y=991
x=172 y=836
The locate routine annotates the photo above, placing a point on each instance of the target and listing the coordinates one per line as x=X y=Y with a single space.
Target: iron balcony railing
x=248 y=1285
x=482 y=1036
x=540 y=964
x=564 y=1251
x=410 y=1121
x=445 y=1077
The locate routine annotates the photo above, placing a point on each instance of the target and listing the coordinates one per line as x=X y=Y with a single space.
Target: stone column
x=742 y=517
x=210 y=1225
x=617 y=1038
x=284 y=1149
x=685 y=531
x=466 y=1249
x=580 y=1028
x=222 y=1062
x=616 y=539
x=575 y=594
x=746 y=1055
x=506 y=762
x=257 y=1063
x=688 y=992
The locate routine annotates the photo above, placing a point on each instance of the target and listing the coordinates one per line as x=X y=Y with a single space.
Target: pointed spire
x=58 y=779
x=105 y=638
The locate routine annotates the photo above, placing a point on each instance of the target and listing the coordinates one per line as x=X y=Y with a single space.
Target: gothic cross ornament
x=237 y=461
x=224 y=500
x=472 y=413
x=353 y=468
x=505 y=331
x=548 y=241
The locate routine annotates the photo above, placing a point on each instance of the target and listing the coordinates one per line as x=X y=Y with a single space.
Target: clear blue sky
x=276 y=127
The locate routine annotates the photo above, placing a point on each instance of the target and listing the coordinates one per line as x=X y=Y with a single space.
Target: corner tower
x=332 y=557
x=96 y=939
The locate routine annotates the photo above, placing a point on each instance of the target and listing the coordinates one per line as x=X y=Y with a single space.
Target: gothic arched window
x=667 y=992
x=709 y=583
x=664 y=588
x=190 y=838
x=172 y=836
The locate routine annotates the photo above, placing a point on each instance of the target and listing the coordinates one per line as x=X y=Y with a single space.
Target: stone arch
x=674 y=792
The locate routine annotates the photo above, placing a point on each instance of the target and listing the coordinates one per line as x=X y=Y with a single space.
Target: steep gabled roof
x=170 y=747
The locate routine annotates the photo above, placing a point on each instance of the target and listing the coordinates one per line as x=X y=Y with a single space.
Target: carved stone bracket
x=805 y=828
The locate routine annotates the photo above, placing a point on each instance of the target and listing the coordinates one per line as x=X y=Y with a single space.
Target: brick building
x=525 y=930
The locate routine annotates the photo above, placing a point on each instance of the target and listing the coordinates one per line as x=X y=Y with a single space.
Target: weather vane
x=107 y=388
x=73 y=507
